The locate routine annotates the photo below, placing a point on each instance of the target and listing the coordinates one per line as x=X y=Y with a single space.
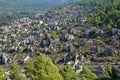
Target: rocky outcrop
x=24 y=59
x=5 y=59
x=116 y=71
x=76 y=61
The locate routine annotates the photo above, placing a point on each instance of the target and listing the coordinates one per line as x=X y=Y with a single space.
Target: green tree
x=111 y=73
x=15 y=44
x=15 y=73
x=107 y=71
x=53 y=34
x=2 y=74
x=97 y=20
x=43 y=69
x=109 y=26
x=111 y=22
x=69 y=74
x=87 y=74
x=108 y=14
x=36 y=27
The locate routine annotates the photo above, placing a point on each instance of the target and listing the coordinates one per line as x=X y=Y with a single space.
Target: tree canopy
x=2 y=74
x=87 y=74
x=15 y=73
x=68 y=73
x=108 y=14
x=43 y=69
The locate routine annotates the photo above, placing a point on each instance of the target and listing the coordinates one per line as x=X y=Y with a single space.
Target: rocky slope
x=65 y=35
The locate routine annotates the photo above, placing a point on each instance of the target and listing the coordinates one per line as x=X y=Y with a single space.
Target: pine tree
x=43 y=69
x=15 y=73
x=111 y=72
x=87 y=74
x=2 y=74
x=69 y=74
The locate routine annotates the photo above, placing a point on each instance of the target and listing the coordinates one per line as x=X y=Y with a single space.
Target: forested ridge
x=108 y=15
x=14 y=9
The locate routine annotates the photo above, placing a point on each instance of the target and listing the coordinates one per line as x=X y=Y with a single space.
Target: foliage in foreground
x=69 y=74
x=15 y=73
x=110 y=73
x=2 y=74
x=87 y=74
x=43 y=69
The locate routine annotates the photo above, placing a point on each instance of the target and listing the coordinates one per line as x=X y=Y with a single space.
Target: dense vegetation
x=8 y=17
x=43 y=69
x=107 y=15
x=96 y=2
x=30 y=5
x=68 y=73
x=87 y=74
x=23 y=5
x=2 y=74
x=110 y=73
x=16 y=72
x=13 y=9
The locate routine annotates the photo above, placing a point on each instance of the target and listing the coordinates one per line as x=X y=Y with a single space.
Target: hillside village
x=65 y=35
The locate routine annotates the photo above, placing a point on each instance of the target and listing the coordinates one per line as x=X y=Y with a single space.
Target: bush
x=43 y=69
x=111 y=73
x=2 y=74
x=87 y=74
x=15 y=73
x=15 y=44
x=36 y=27
x=54 y=34
x=69 y=74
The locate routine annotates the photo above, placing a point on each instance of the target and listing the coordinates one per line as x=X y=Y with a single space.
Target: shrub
x=53 y=34
x=43 y=69
x=87 y=74
x=15 y=73
x=68 y=73
x=2 y=74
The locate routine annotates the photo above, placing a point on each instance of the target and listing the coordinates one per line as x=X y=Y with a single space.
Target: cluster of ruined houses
x=34 y=36
x=21 y=37
x=65 y=14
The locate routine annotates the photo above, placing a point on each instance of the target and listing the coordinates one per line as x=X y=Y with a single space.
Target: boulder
x=24 y=59
x=41 y=22
x=87 y=31
x=114 y=31
x=95 y=49
x=116 y=71
x=109 y=51
x=67 y=37
x=73 y=31
x=76 y=61
x=4 y=59
x=45 y=42
x=67 y=59
x=69 y=48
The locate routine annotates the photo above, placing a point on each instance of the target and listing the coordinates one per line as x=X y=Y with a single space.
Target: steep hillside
x=13 y=9
x=18 y=5
x=67 y=35
x=31 y=5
